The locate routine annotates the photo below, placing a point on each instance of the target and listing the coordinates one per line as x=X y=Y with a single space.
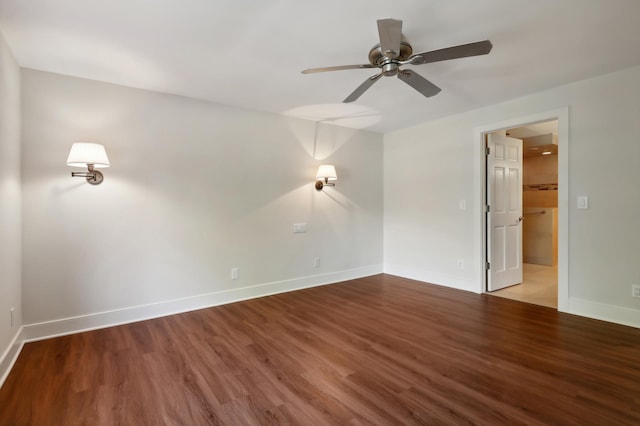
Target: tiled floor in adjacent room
x=540 y=286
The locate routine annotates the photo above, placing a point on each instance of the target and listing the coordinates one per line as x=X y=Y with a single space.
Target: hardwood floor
x=380 y=350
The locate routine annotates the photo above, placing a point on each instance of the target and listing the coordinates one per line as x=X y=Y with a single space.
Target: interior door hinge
x=488 y=208
x=488 y=151
x=488 y=266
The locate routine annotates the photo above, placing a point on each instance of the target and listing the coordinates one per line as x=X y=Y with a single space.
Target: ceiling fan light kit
x=393 y=52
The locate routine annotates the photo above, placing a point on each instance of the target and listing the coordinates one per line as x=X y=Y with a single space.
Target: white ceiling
x=250 y=53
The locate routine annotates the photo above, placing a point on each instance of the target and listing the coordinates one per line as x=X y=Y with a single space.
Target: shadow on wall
x=326 y=138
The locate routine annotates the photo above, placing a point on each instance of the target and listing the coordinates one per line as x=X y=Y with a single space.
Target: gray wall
x=194 y=190
x=10 y=216
x=428 y=168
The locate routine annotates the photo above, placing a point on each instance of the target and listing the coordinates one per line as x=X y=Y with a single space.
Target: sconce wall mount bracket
x=321 y=184
x=94 y=177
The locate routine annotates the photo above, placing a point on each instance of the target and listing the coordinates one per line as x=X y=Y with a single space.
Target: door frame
x=562 y=115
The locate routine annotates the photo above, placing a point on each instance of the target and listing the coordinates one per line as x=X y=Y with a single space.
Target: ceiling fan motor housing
x=388 y=65
x=390 y=69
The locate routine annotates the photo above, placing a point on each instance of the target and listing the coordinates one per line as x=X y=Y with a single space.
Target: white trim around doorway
x=562 y=115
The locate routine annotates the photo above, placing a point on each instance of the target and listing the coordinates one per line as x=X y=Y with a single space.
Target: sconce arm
x=94 y=177
x=321 y=183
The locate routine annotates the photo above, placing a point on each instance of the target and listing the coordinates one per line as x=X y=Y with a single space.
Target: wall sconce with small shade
x=90 y=155
x=326 y=176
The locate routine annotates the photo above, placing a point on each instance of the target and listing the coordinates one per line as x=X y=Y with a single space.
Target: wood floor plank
x=376 y=350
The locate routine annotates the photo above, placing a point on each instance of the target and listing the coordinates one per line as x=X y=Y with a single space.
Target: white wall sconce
x=90 y=155
x=326 y=176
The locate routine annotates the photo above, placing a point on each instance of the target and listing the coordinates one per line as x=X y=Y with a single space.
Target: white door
x=504 y=218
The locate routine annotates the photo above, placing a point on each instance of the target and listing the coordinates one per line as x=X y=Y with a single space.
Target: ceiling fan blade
x=454 y=52
x=390 y=33
x=337 y=68
x=362 y=88
x=419 y=83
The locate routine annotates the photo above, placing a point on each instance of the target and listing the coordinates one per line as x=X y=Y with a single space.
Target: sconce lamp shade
x=326 y=176
x=84 y=153
x=327 y=172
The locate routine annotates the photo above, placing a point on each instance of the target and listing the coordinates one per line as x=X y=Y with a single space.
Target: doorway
x=533 y=225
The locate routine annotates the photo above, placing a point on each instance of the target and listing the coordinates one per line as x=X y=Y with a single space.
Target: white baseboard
x=584 y=308
x=44 y=330
x=430 y=277
x=10 y=355
x=604 y=312
x=61 y=327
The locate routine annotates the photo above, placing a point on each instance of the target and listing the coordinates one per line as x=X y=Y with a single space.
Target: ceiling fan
x=394 y=51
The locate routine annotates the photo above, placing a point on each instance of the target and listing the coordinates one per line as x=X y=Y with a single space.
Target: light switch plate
x=583 y=202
